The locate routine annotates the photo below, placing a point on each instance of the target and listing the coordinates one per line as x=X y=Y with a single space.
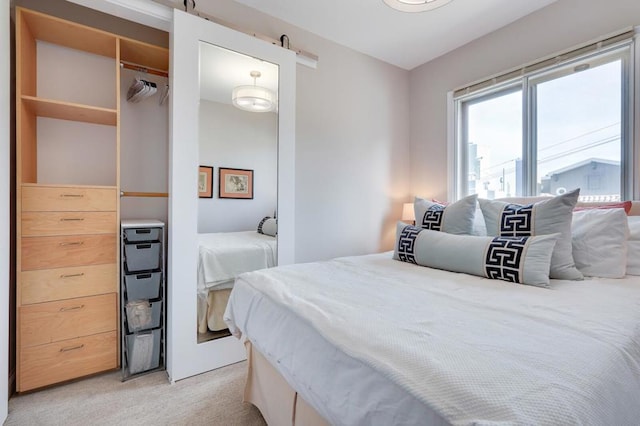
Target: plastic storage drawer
x=142 y=257
x=143 y=350
x=132 y=235
x=143 y=316
x=143 y=286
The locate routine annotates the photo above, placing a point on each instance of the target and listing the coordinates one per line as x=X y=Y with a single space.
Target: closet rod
x=144 y=194
x=136 y=67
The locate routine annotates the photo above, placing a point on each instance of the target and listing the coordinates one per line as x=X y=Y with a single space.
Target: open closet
x=69 y=178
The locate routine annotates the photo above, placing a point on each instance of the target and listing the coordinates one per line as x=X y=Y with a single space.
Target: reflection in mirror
x=237 y=185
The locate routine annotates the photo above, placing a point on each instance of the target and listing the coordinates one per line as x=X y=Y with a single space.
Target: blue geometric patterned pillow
x=455 y=218
x=523 y=259
x=550 y=216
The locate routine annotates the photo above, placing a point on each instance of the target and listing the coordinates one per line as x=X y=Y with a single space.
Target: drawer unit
x=40 y=198
x=136 y=235
x=64 y=251
x=142 y=297
x=68 y=359
x=65 y=283
x=143 y=315
x=142 y=256
x=37 y=224
x=49 y=322
x=142 y=286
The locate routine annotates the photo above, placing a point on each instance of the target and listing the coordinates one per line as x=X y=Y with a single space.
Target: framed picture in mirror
x=205 y=182
x=235 y=183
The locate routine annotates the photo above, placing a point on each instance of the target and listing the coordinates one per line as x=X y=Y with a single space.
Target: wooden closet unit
x=68 y=226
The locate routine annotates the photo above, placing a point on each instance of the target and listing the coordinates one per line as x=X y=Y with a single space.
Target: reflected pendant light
x=415 y=5
x=253 y=98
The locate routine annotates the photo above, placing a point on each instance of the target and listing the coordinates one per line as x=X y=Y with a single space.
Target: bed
x=369 y=340
x=221 y=258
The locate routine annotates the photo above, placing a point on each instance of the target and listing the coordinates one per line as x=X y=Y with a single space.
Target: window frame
x=626 y=51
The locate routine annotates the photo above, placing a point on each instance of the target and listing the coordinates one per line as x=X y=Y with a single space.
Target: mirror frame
x=185 y=357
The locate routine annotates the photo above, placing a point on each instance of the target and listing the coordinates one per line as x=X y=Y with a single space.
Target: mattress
x=369 y=340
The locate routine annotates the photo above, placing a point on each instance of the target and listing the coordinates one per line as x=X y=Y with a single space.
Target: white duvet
x=473 y=350
x=225 y=255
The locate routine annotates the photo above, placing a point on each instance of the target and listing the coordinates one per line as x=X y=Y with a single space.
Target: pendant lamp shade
x=253 y=98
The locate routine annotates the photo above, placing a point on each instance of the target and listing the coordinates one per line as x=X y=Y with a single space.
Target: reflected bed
x=222 y=257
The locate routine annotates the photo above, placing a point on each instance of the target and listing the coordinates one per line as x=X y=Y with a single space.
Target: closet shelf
x=70 y=111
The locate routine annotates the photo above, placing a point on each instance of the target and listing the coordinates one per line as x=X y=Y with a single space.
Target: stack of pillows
x=526 y=244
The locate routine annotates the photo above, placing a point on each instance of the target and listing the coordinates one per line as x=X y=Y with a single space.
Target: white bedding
x=225 y=255
x=465 y=349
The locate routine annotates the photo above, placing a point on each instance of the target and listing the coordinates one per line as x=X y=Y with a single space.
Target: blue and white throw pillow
x=550 y=216
x=523 y=260
x=455 y=218
x=268 y=226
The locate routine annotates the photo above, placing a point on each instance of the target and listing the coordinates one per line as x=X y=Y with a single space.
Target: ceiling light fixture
x=415 y=5
x=253 y=98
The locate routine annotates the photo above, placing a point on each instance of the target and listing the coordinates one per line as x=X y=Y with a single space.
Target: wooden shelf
x=69 y=34
x=144 y=54
x=70 y=111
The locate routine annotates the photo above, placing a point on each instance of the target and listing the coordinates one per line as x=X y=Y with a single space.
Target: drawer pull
x=143 y=246
x=81 y=274
x=75 y=243
x=71 y=196
x=71 y=348
x=143 y=231
x=72 y=219
x=73 y=308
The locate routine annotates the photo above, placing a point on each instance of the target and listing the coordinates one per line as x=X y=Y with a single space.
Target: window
x=548 y=131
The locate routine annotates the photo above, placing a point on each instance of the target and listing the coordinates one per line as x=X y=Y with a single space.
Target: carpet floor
x=213 y=398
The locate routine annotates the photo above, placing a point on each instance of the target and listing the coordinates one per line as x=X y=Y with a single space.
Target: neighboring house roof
x=583 y=163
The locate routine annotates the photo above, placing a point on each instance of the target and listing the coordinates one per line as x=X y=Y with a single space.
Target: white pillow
x=455 y=218
x=268 y=226
x=522 y=260
x=550 y=216
x=599 y=241
x=633 y=246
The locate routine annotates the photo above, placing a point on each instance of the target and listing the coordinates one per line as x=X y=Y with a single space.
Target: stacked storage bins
x=142 y=296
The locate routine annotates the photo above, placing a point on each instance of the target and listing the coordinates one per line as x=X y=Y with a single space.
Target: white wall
x=233 y=138
x=5 y=181
x=352 y=142
x=556 y=27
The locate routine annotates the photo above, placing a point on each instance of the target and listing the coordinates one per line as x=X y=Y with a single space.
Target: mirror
x=237 y=179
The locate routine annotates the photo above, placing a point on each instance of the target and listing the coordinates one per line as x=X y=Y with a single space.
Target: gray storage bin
x=142 y=257
x=143 y=350
x=143 y=286
x=143 y=315
x=133 y=235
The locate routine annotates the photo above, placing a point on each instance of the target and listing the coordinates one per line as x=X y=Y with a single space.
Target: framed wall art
x=205 y=182
x=235 y=183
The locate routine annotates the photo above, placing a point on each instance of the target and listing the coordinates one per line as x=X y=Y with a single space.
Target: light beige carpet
x=213 y=398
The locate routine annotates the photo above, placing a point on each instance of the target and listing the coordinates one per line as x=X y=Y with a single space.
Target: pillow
x=455 y=218
x=599 y=241
x=522 y=260
x=549 y=216
x=626 y=205
x=268 y=226
x=633 y=246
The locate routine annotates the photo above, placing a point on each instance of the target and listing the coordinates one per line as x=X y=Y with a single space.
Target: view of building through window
x=577 y=139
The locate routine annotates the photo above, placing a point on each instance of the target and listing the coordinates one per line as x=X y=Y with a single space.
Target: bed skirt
x=211 y=310
x=279 y=404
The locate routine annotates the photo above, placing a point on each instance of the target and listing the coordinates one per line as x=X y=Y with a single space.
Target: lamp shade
x=408 y=214
x=253 y=98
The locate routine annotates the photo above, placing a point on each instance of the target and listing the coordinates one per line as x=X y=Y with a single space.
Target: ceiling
x=406 y=40
x=221 y=70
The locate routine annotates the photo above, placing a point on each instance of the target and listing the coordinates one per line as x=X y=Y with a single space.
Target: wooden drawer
x=37 y=224
x=61 y=252
x=69 y=199
x=47 y=364
x=65 y=283
x=49 y=322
